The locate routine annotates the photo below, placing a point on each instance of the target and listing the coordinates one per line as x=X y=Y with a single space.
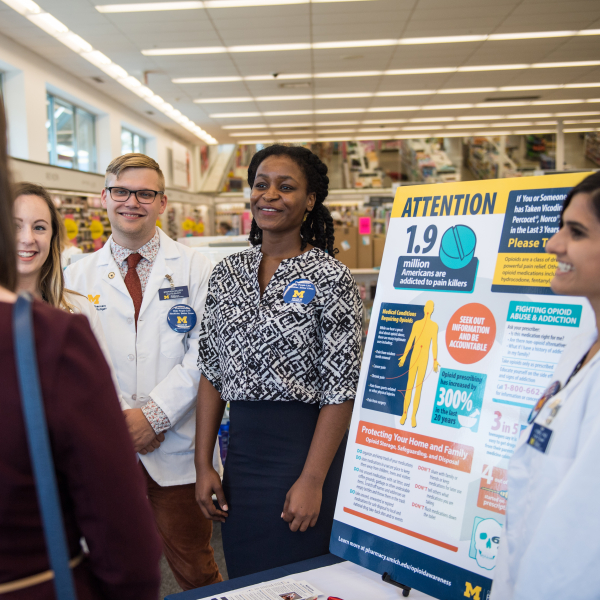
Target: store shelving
x=487 y=158
x=427 y=162
x=79 y=211
x=592 y=147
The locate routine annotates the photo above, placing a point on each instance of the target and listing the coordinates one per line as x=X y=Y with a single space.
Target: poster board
x=465 y=334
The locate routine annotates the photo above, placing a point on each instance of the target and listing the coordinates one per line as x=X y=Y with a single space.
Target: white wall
x=27 y=78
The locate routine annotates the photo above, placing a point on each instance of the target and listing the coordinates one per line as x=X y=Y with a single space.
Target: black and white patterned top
x=254 y=348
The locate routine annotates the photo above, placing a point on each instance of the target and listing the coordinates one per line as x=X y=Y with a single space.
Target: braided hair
x=317 y=227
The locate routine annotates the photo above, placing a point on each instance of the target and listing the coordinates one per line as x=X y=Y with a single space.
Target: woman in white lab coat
x=550 y=546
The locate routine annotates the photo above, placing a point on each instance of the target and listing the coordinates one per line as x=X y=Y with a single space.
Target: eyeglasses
x=119 y=194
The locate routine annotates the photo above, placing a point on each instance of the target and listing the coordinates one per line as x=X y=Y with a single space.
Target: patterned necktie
x=133 y=283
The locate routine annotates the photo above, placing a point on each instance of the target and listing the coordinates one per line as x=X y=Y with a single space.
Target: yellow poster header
x=482 y=197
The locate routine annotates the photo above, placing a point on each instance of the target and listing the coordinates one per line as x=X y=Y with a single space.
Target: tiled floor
x=169 y=585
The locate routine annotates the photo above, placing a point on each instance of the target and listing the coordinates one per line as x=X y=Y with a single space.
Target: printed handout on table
x=287 y=589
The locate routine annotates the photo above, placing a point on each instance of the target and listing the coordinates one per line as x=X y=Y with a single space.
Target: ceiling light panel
x=580 y=121
x=419 y=127
x=438 y=119
x=287 y=113
x=581 y=130
x=279 y=133
x=380 y=129
x=466 y=126
x=392 y=108
x=206 y=4
x=416 y=108
x=338 y=111
x=400 y=93
x=235 y=115
x=390 y=72
x=250 y=134
x=286 y=125
x=320 y=131
x=382 y=121
x=223 y=100
x=257 y=126
x=58 y=30
x=447 y=106
x=512 y=122
x=335 y=123
x=354 y=43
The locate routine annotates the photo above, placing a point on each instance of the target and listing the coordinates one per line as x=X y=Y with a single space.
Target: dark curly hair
x=317 y=227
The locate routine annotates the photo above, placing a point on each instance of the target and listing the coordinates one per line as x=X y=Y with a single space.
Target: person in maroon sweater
x=101 y=488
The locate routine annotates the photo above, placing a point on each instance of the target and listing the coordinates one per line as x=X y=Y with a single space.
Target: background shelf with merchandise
x=592 y=147
x=426 y=161
x=487 y=158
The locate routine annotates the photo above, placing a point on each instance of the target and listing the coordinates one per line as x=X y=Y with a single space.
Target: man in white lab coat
x=149 y=292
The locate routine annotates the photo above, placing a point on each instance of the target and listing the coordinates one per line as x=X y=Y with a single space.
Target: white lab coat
x=81 y=305
x=156 y=363
x=550 y=548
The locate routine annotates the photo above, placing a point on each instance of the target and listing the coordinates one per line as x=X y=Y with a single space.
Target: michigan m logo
x=472 y=592
x=94 y=299
x=182 y=320
x=298 y=294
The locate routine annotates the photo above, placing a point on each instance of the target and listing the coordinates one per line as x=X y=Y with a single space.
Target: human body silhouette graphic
x=423 y=335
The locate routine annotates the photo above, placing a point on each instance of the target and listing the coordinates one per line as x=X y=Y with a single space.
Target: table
x=332 y=575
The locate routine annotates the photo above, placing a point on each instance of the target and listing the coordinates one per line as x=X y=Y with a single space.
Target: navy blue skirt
x=269 y=443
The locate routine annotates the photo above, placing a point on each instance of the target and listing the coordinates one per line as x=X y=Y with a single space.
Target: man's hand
x=303 y=504
x=140 y=430
x=154 y=444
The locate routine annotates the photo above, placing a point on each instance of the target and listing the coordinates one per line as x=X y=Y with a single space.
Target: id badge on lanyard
x=541 y=434
x=181 y=317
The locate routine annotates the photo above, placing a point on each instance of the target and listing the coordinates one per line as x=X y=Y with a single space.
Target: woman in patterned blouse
x=280 y=340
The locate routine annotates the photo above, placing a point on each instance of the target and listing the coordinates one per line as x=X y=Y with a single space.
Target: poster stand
x=405 y=589
x=465 y=335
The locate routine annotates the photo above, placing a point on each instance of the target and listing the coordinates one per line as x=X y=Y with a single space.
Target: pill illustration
x=457 y=247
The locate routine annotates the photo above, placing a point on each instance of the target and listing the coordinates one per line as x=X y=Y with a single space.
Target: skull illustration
x=487 y=538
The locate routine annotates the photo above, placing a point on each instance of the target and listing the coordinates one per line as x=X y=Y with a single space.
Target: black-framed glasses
x=119 y=194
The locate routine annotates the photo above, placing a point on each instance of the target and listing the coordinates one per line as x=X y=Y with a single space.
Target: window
x=71 y=135
x=132 y=142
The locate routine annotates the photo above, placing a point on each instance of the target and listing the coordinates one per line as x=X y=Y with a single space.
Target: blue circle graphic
x=457 y=247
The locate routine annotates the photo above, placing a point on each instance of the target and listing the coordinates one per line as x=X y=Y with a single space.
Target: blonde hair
x=135 y=160
x=52 y=282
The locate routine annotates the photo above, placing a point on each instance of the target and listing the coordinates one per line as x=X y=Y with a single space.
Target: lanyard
x=551 y=391
x=577 y=368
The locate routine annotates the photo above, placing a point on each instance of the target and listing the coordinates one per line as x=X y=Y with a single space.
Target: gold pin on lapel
x=111 y=275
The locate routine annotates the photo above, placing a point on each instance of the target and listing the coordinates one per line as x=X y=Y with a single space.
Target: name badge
x=182 y=318
x=173 y=293
x=539 y=438
x=300 y=291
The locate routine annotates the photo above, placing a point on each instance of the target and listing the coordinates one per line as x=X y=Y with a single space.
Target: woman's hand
x=208 y=483
x=303 y=504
